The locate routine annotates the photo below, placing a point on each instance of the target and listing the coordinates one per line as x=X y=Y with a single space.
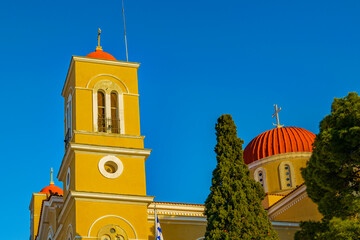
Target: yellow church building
x=103 y=169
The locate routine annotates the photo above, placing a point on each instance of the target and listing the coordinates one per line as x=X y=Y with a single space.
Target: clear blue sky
x=200 y=59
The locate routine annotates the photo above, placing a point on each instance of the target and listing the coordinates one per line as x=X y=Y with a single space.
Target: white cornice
x=195 y=220
x=288 y=201
x=90 y=89
x=176 y=206
x=181 y=210
x=108 y=134
x=119 y=198
x=101 y=149
x=106 y=149
x=278 y=157
x=106 y=62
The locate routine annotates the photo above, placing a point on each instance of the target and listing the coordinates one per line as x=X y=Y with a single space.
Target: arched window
x=115 y=122
x=287 y=175
x=108 y=108
x=101 y=111
x=260 y=176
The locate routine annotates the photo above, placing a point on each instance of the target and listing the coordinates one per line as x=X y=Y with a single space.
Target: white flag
x=158 y=233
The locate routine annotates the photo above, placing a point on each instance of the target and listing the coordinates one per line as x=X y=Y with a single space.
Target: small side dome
x=52 y=189
x=278 y=141
x=100 y=54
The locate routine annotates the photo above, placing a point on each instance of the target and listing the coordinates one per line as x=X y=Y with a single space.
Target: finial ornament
x=98 y=38
x=276 y=114
x=52 y=180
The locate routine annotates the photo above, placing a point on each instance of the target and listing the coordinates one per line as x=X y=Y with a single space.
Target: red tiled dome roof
x=99 y=53
x=54 y=189
x=277 y=141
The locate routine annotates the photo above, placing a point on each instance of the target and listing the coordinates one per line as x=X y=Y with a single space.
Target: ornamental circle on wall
x=68 y=176
x=110 y=167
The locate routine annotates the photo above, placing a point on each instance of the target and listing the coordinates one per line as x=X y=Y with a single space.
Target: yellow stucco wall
x=273 y=173
x=130 y=217
x=89 y=179
x=303 y=210
x=35 y=211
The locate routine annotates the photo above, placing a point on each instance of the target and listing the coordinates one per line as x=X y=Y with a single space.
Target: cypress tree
x=233 y=207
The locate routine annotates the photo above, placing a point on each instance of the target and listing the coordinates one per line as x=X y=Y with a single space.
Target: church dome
x=278 y=141
x=54 y=189
x=99 y=53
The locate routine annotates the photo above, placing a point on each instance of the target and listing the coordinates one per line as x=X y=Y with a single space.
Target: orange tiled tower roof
x=52 y=189
x=99 y=53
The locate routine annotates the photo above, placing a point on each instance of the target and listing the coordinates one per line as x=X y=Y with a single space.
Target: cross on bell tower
x=276 y=114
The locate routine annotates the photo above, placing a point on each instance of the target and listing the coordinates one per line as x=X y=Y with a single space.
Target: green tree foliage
x=332 y=175
x=233 y=208
x=311 y=230
x=335 y=229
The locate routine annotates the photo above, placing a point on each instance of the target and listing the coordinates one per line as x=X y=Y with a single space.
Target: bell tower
x=103 y=168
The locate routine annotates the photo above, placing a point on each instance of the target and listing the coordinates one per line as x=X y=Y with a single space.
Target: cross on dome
x=276 y=114
x=98 y=38
x=52 y=178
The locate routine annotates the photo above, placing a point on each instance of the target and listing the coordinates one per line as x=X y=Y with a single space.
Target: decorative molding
x=179 y=212
x=46 y=204
x=58 y=230
x=69 y=232
x=119 y=167
x=132 y=94
x=106 y=75
x=108 y=134
x=279 y=157
x=94 y=60
x=282 y=175
x=106 y=149
x=50 y=234
x=287 y=202
x=106 y=62
x=256 y=177
x=66 y=207
x=115 y=216
x=129 y=94
x=176 y=206
x=68 y=179
x=186 y=220
x=120 y=198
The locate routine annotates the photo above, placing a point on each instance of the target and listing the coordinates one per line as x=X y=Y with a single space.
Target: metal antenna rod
x=127 y=56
